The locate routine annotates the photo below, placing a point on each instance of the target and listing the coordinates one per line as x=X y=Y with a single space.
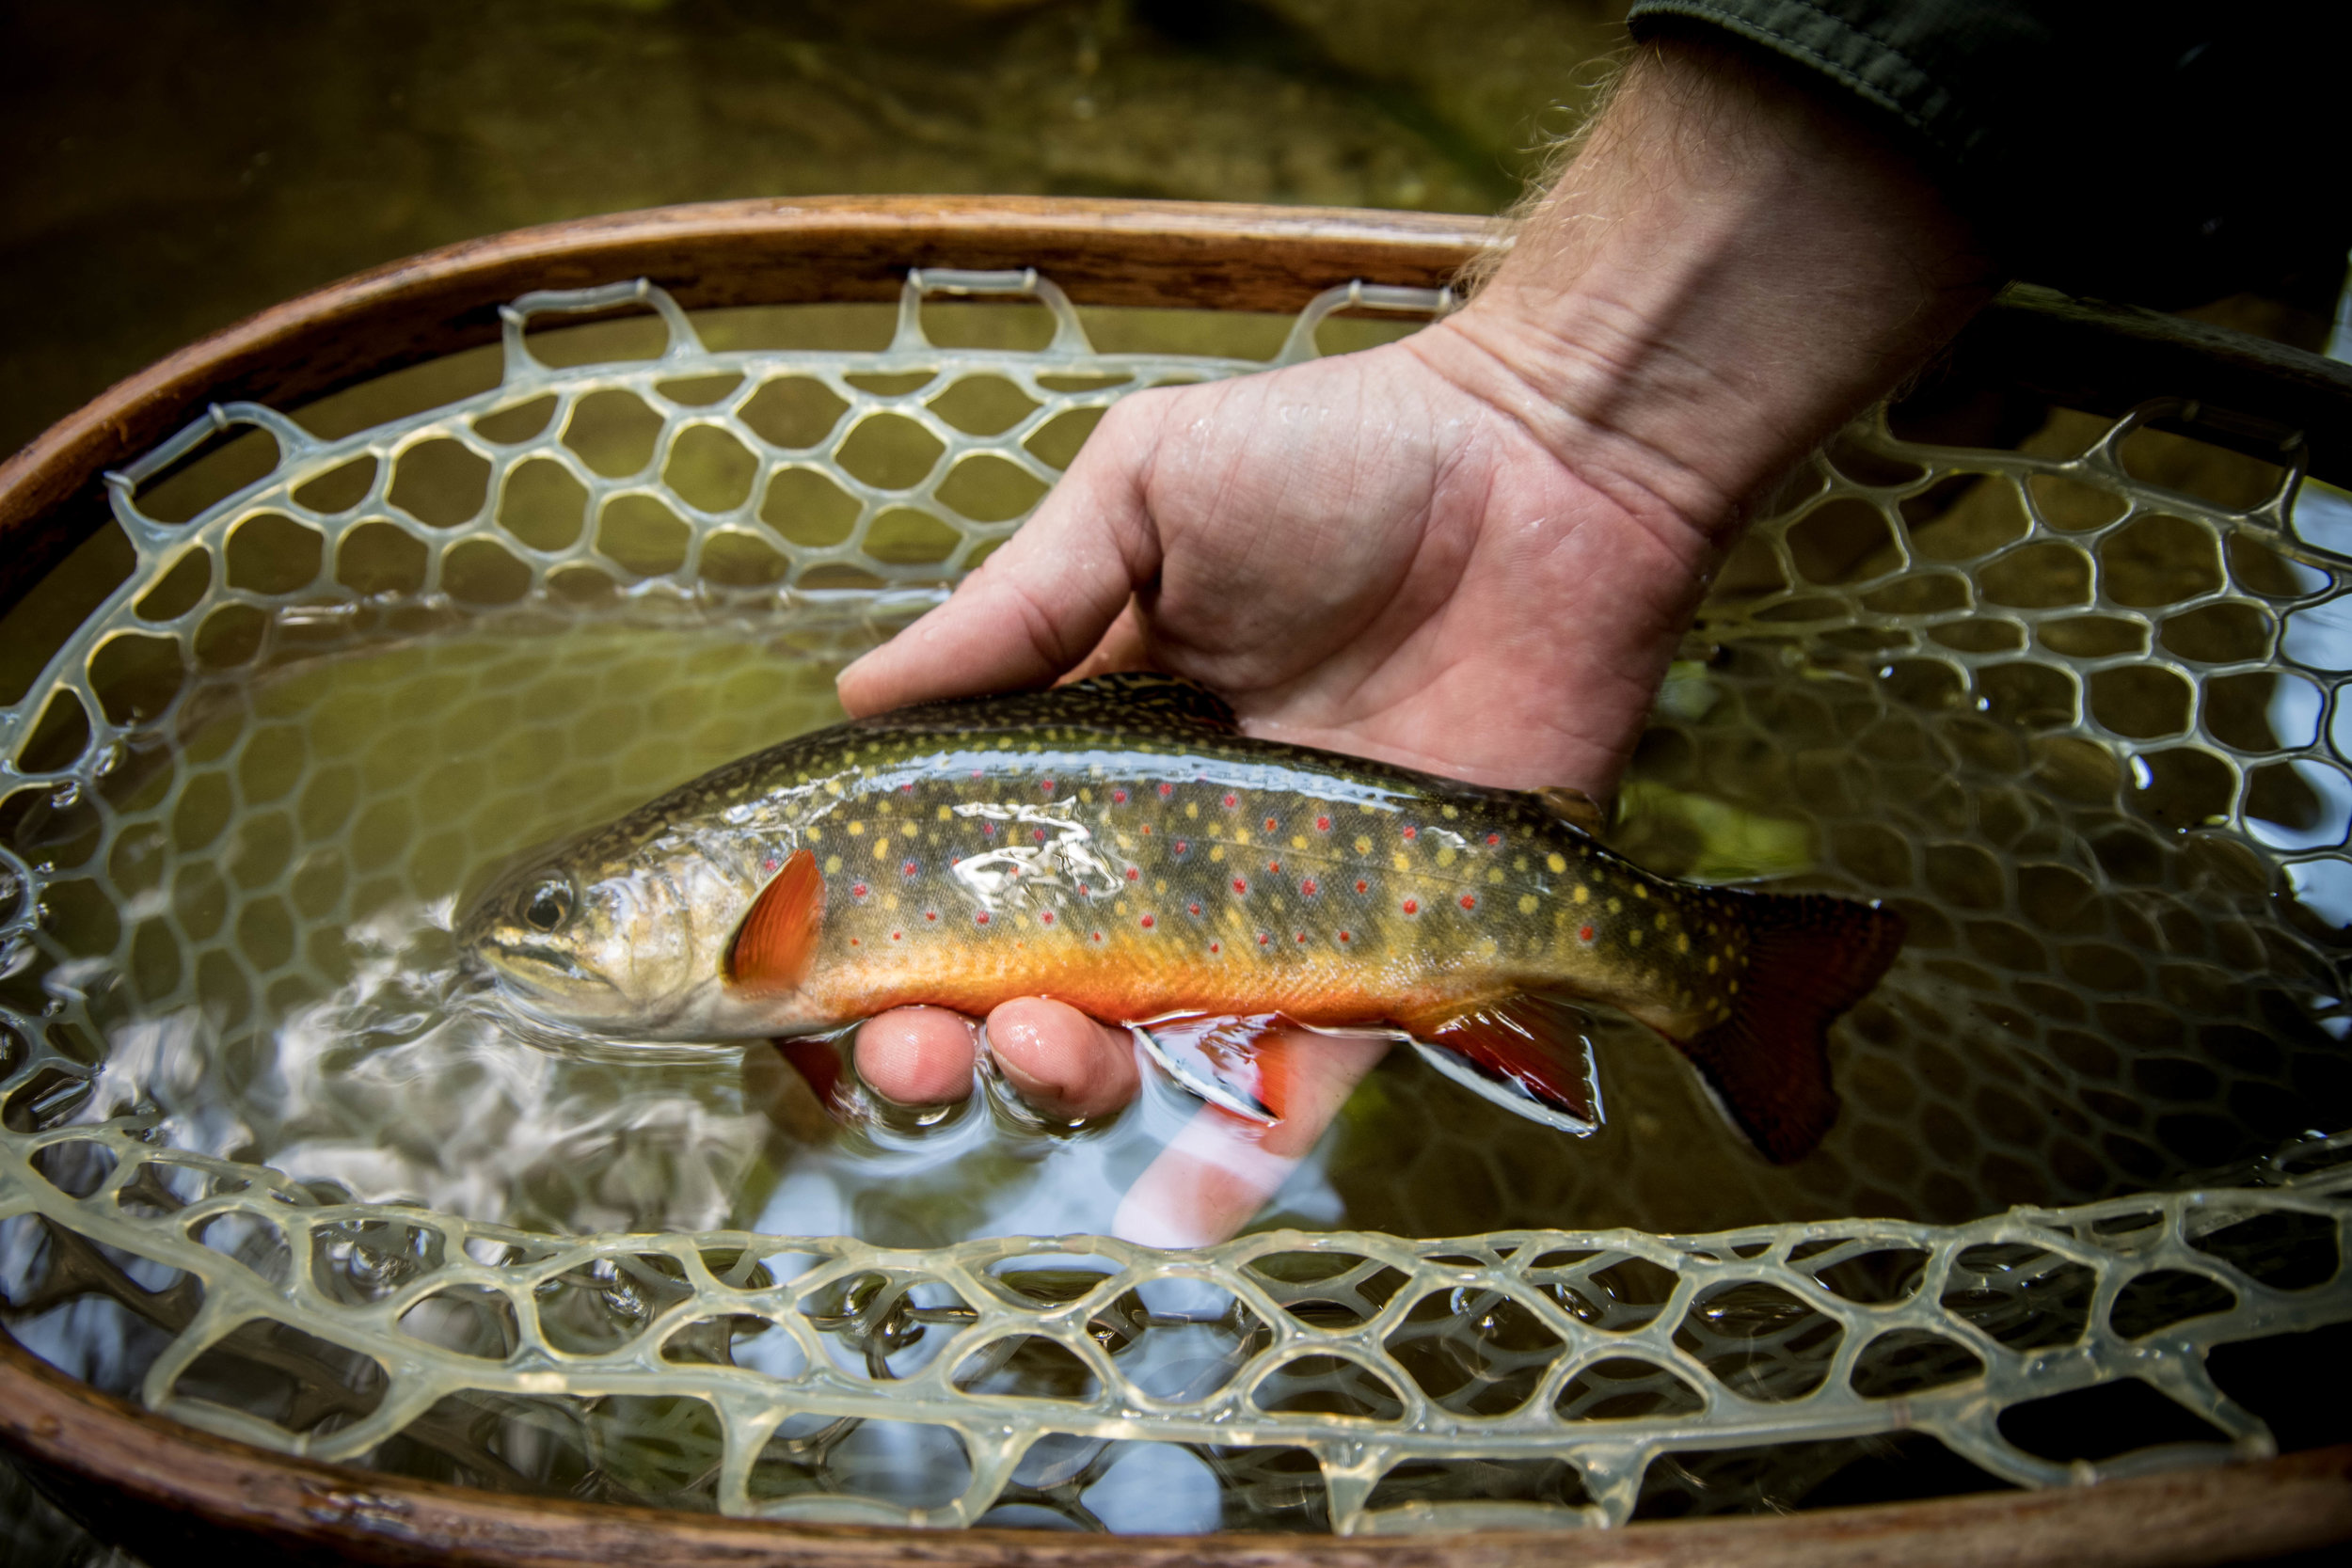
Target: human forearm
x=1732 y=265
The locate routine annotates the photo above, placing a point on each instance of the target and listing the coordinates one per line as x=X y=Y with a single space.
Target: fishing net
x=2068 y=700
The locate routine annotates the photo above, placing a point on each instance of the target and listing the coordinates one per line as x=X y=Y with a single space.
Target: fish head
x=614 y=948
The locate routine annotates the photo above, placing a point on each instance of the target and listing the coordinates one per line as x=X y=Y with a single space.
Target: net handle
x=1356 y=294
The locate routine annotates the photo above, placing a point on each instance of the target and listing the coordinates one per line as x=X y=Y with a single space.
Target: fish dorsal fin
x=1576 y=808
x=777 y=941
x=1526 y=1053
x=1148 y=691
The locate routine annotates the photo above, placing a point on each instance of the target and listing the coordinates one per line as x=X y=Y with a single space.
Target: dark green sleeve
x=2159 y=152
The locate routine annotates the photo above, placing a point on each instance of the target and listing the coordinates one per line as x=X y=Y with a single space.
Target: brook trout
x=1119 y=844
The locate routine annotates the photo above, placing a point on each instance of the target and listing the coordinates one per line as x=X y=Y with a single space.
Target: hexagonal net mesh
x=2069 y=701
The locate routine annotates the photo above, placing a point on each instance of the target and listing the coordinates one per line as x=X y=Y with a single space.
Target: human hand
x=1472 y=551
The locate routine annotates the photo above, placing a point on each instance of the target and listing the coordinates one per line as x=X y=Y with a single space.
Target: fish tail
x=1810 y=958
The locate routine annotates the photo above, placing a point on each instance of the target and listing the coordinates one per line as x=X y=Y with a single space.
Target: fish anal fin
x=1810 y=958
x=777 y=941
x=1527 y=1053
x=1576 y=808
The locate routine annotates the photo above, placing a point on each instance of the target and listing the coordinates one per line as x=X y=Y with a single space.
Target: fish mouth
x=528 y=967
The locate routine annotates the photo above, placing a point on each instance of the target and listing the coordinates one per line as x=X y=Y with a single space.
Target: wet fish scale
x=1120 y=846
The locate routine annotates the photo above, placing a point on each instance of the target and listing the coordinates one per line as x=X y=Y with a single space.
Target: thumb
x=1040 y=604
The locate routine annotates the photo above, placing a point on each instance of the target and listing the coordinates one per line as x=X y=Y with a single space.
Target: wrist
x=1730 y=269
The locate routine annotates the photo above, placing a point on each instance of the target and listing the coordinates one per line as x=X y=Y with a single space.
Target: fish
x=1119 y=843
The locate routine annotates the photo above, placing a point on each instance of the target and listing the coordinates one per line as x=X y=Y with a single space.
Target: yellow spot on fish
x=1363 y=845
x=1518 y=863
x=816 y=835
x=856 y=828
x=1617 y=905
x=1732 y=985
x=1633 y=939
x=881 y=848
x=947 y=813
x=832 y=866
x=1451 y=813
x=1557 y=863
x=1216 y=851
x=1120 y=908
x=1159 y=884
x=1639 y=891
x=1192 y=808
x=1300 y=842
x=1662 y=919
x=1682 y=941
x=1582 y=894
x=1086 y=796
x=1400 y=863
x=1495 y=875
x=1445 y=856
x=890 y=901
x=1713 y=963
x=1527 y=903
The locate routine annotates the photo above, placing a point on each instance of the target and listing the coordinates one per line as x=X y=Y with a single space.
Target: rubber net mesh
x=2074 y=709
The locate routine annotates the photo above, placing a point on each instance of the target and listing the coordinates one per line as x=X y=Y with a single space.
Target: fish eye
x=547 y=906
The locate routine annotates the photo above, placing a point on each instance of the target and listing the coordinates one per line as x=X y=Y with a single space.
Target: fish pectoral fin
x=1576 y=808
x=1527 y=1053
x=777 y=941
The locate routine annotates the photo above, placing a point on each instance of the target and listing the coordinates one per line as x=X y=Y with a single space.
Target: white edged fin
x=1224 y=1078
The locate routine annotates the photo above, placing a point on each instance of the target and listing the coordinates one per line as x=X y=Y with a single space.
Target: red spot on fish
x=1132 y=875
x=931 y=914
x=1039 y=834
x=1193 y=907
x=906 y=789
x=975 y=772
x=1240 y=886
x=1412 y=906
x=1274 y=867
x=1269 y=824
x=1494 y=838
x=1045 y=785
x=1147 y=829
x=1308 y=887
x=771 y=863
x=1119 y=797
x=1362 y=886
x=1146 y=923
x=859 y=891
x=897 y=935
x=1344 y=937
x=1302 y=936
x=1231 y=800
x=982 y=917
x=1323 y=824
x=1084 y=891
x=1586 y=934
x=1217 y=947
x=1469 y=901
x=1264 y=939
x=1167 y=790
x=1183 y=846
x=1412 y=833
x=907 y=870
x=1048 y=917
x=988 y=830
x=1098 y=935
x=854 y=943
